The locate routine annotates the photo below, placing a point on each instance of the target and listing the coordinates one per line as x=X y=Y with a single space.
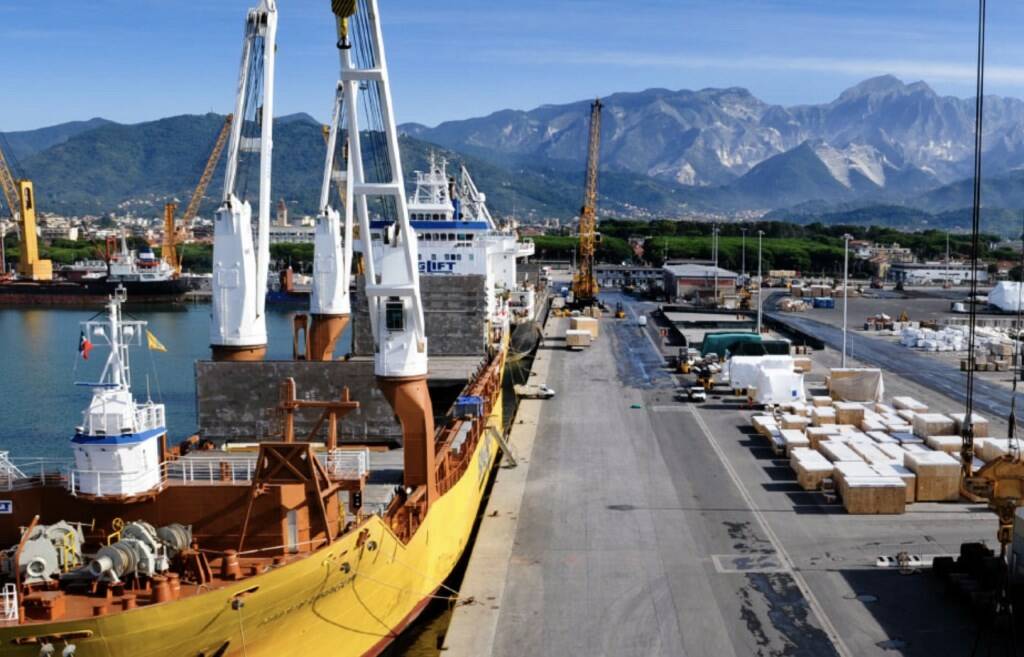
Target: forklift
x=620 y=311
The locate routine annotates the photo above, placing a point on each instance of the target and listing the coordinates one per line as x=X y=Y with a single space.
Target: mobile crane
x=21 y=202
x=172 y=234
x=238 y=330
x=584 y=284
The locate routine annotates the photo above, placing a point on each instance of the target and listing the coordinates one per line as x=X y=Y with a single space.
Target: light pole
x=846 y=286
x=3 y=253
x=760 y=234
x=714 y=246
x=743 y=252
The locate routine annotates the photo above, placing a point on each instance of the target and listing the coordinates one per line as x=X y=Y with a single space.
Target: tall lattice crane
x=22 y=204
x=584 y=284
x=169 y=250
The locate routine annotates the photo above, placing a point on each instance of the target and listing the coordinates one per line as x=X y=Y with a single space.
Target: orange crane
x=584 y=284
x=22 y=204
x=172 y=234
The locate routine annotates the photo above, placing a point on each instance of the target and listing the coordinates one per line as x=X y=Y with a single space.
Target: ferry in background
x=457 y=235
x=146 y=278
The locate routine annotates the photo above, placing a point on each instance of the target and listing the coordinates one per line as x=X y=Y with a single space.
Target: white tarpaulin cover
x=856 y=384
x=1006 y=296
x=743 y=369
x=778 y=386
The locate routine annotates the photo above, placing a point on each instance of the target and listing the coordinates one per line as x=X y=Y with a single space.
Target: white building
x=291 y=234
x=935 y=273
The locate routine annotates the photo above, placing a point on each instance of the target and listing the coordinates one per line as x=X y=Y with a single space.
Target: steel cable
x=967 y=434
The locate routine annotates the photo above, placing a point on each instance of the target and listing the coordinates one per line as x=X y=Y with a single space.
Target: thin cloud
x=908 y=68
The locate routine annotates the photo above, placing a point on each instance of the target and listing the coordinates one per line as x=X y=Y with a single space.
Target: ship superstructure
x=458 y=236
x=119 y=446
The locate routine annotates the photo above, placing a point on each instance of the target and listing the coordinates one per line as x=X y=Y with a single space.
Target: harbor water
x=40 y=364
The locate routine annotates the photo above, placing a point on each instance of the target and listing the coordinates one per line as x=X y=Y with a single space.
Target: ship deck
x=639 y=525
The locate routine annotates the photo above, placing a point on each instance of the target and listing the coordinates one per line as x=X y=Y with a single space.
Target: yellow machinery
x=22 y=203
x=172 y=234
x=584 y=284
x=620 y=311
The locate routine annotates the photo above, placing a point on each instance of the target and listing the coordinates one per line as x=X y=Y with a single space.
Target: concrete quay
x=638 y=525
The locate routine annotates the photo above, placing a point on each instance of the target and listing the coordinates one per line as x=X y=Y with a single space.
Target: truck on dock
x=534 y=391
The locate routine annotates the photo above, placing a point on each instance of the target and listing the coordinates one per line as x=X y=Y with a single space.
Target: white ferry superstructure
x=458 y=236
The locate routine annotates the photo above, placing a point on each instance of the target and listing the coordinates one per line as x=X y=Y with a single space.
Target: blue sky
x=136 y=60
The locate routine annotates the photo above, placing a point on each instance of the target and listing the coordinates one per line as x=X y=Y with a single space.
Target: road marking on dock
x=672 y=409
x=784 y=558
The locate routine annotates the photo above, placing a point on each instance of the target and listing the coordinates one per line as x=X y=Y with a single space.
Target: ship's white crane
x=474 y=202
x=329 y=302
x=391 y=278
x=240 y=264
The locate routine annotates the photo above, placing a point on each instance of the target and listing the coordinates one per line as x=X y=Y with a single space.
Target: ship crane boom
x=240 y=264
x=391 y=279
x=329 y=303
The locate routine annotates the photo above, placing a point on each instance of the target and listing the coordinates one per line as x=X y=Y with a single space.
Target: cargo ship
x=136 y=548
x=294 y=542
x=146 y=278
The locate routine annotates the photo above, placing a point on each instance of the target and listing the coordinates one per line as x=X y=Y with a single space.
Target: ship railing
x=346 y=464
x=208 y=470
x=149 y=417
x=21 y=473
x=112 y=482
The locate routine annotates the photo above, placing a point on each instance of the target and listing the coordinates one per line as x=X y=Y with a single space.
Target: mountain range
x=882 y=143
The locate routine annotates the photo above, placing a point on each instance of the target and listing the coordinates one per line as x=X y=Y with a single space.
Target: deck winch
x=142 y=550
x=48 y=551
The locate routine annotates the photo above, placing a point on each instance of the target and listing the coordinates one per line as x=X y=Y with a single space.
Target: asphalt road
x=989 y=398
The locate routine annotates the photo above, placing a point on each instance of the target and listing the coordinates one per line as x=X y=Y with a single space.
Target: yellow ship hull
x=347 y=599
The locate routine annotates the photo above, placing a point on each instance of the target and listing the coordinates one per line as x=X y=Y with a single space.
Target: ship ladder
x=10 y=599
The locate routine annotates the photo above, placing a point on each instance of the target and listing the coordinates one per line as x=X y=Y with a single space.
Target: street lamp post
x=743 y=252
x=714 y=244
x=846 y=287
x=760 y=234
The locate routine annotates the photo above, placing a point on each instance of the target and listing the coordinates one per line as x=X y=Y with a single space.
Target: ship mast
x=393 y=289
x=240 y=268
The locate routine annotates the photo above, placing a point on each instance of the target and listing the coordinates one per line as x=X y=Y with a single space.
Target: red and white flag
x=84 y=346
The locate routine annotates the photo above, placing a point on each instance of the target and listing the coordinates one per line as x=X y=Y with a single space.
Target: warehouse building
x=696 y=280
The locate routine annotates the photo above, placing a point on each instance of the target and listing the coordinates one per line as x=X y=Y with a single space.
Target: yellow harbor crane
x=584 y=284
x=21 y=201
x=169 y=249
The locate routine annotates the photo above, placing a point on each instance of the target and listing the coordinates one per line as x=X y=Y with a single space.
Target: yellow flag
x=154 y=344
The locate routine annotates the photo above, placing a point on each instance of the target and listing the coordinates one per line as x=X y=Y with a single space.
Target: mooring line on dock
x=805 y=590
